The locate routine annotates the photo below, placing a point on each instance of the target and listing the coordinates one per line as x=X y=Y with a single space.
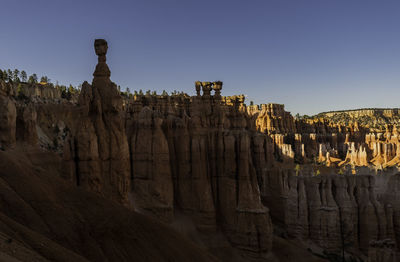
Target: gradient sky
x=312 y=56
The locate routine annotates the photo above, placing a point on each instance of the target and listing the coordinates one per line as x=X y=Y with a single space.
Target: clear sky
x=312 y=56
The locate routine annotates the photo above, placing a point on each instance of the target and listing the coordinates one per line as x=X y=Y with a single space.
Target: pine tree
x=5 y=75
x=23 y=76
x=44 y=79
x=10 y=74
x=16 y=75
x=32 y=79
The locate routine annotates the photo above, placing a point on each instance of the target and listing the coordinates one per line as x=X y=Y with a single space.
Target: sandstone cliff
x=224 y=166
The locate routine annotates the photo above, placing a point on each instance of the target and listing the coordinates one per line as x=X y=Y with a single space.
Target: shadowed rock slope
x=47 y=219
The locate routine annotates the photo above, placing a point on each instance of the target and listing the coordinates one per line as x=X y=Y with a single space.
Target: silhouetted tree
x=63 y=91
x=33 y=79
x=44 y=79
x=16 y=75
x=24 y=77
x=10 y=74
x=4 y=75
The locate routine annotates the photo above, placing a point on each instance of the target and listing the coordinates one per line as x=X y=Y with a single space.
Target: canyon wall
x=228 y=167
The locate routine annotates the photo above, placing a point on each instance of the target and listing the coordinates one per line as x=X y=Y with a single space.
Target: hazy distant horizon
x=312 y=56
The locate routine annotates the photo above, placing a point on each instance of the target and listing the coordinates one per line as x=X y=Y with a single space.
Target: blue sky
x=312 y=56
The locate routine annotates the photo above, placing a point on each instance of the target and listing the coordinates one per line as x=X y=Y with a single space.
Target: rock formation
x=99 y=146
x=8 y=115
x=226 y=167
x=203 y=145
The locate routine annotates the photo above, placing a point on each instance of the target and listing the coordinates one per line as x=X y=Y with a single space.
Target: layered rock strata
x=335 y=211
x=219 y=162
x=98 y=149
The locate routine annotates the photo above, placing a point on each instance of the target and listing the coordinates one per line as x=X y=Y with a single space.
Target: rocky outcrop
x=383 y=251
x=8 y=115
x=226 y=166
x=151 y=171
x=26 y=124
x=99 y=146
x=335 y=211
x=203 y=144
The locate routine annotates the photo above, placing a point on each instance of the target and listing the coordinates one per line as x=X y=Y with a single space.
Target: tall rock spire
x=101 y=47
x=100 y=143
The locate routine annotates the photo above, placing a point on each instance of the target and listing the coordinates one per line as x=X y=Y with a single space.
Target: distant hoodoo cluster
x=206 y=87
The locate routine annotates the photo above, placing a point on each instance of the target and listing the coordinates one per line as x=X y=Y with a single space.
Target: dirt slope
x=45 y=218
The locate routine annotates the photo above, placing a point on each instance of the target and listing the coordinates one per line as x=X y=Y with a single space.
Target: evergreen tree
x=5 y=75
x=1 y=75
x=33 y=79
x=24 y=77
x=44 y=79
x=10 y=74
x=16 y=75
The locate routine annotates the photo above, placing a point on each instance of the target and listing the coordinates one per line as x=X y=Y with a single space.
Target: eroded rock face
x=26 y=124
x=383 y=251
x=8 y=116
x=204 y=147
x=335 y=209
x=99 y=146
x=221 y=163
x=151 y=170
